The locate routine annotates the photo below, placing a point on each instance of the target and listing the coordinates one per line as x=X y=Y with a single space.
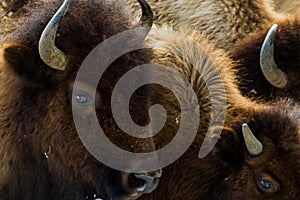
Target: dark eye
x=83 y=99
x=267 y=184
x=82 y=94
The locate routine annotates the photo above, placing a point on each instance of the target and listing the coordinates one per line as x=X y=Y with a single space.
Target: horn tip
x=275 y=26
x=244 y=126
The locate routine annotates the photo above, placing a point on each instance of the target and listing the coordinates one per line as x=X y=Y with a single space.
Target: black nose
x=145 y=182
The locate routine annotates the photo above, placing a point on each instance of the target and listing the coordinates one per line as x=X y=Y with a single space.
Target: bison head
x=256 y=155
x=268 y=167
x=268 y=64
x=42 y=156
x=256 y=158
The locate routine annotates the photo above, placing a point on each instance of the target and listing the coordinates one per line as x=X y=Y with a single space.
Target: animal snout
x=141 y=183
x=146 y=182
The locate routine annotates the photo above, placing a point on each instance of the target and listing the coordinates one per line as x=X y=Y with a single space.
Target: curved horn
x=146 y=19
x=254 y=146
x=49 y=53
x=268 y=66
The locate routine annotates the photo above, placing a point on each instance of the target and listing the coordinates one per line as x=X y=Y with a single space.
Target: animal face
x=230 y=171
x=38 y=74
x=255 y=79
x=237 y=167
x=274 y=173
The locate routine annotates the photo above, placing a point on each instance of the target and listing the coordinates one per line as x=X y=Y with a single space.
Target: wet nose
x=144 y=183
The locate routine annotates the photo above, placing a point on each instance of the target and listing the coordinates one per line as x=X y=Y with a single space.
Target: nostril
x=145 y=183
x=142 y=188
x=137 y=183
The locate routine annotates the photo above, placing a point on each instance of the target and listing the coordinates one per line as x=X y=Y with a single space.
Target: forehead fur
x=83 y=27
x=280 y=122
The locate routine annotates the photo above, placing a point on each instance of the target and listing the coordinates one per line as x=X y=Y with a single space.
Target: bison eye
x=267 y=184
x=83 y=99
x=83 y=95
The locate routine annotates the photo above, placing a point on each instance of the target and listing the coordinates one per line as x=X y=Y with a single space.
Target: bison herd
x=244 y=53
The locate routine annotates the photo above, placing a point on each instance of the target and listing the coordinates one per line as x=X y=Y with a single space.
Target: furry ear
x=18 y=56
x=228 y=149
x=24 y=61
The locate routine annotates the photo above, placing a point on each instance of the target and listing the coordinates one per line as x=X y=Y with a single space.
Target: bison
x=244 y=39
x=257 y=153
x=42 y=157
x=223 y=22
x=268 y=62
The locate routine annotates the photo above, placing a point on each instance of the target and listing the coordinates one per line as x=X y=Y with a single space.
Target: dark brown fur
x=252 y=83
x=41 y=154
x=229 y=172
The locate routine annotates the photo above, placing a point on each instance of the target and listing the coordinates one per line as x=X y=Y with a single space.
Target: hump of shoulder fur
x=197 y=59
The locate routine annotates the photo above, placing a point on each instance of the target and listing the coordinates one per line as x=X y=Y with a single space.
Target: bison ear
x=23 y=61
x=228 y=148
x=17 y=56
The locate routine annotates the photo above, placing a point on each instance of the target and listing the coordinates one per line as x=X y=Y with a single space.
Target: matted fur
x=288 y=6
x=41 y=154
x=11 y=5
x=229 y=172
x=223 y=21
x=11 y=10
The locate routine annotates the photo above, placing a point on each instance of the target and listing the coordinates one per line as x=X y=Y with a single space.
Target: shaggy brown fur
x=10 y=10
x=12 y=5
x=288 y=6
x=41 y=154
x=229 y=172
x=223 y=21
x=287 y=56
